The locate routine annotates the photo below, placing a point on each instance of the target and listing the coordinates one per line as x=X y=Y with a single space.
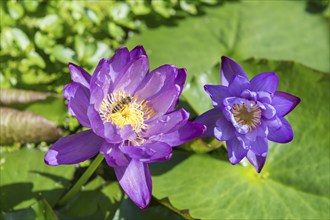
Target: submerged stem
x=81 y=181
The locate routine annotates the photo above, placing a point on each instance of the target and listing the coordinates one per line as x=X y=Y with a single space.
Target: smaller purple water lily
x=247 y=113
x=132 y=116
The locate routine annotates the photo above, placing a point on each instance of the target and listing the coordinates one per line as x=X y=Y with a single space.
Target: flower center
x=121 y=109
x=247 y=114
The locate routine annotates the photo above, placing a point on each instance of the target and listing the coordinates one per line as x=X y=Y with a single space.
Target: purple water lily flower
x=247 y=113
x=132 y=117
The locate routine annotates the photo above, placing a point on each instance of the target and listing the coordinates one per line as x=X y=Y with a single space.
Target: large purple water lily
x=247 y=113
x=132 y=117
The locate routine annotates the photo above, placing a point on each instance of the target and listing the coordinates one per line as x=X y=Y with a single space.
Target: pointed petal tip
x=50 y=158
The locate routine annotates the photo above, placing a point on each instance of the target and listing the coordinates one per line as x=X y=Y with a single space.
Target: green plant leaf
x=215 y=189
x=40 y=210
x=25 y=177
x=261 y=29
x=103 y=199
x=26 y=127
x=128 y=210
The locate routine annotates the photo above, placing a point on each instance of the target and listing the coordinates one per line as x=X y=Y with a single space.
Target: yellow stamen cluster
x=247 y=114
x=121 y=109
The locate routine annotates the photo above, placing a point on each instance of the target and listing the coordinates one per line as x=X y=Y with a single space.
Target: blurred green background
x=39 y=39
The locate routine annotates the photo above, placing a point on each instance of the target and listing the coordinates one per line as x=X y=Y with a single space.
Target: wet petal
x=74 y=149
x=229 y=68
x=257 y=161
x=79 y=75
x=224 y=130
x=284 y=103
x=135 y=180
x=78 y=102
x=150 y=152
x=235 y=151
x=217 y=93
x=284 y=134
x=113 y=155
x=187 y=132
x=209 y=119
x=266 y=82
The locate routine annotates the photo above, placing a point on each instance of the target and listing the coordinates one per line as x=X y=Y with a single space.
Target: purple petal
x=269 y=111
x=257 y=161
x=229 y=68
x=78 y=102
x=274 y=123
x=284 y=134
x=163 y=101
x=181 y=78
x=79 y=75
x=235 y=151
x=100 y=83
x=224 y=130
x=167 y=123
x=137 y=52
x=187 y=132
x=133 y=76
x=266 y=82
x=264 y=97
x=284 y=103
x=74 y=148
x=150 y=152
x=238 y=84
x=127 y=132
x=106 y=130
x=152 y=85
x=260 y=146
x=158 y=81
x=209 y=119
x=113 y=155
x=217 y=93
x=135 y=180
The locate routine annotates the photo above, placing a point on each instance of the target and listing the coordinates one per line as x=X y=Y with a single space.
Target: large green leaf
x=293 y=184
x=40 y=210
x=25 y=177
x=279 y=30
x=103 y=199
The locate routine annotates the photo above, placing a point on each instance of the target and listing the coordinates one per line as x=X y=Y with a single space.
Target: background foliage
x=39 y=38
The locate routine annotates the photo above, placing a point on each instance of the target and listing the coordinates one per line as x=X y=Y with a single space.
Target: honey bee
x=124 y=101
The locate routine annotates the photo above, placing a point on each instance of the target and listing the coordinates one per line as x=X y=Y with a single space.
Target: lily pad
x=25 y=177
x=278 y=30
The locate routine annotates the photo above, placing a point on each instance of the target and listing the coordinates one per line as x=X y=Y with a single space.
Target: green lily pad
x=25 y=177
x=41 y=210
x=278 y=30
